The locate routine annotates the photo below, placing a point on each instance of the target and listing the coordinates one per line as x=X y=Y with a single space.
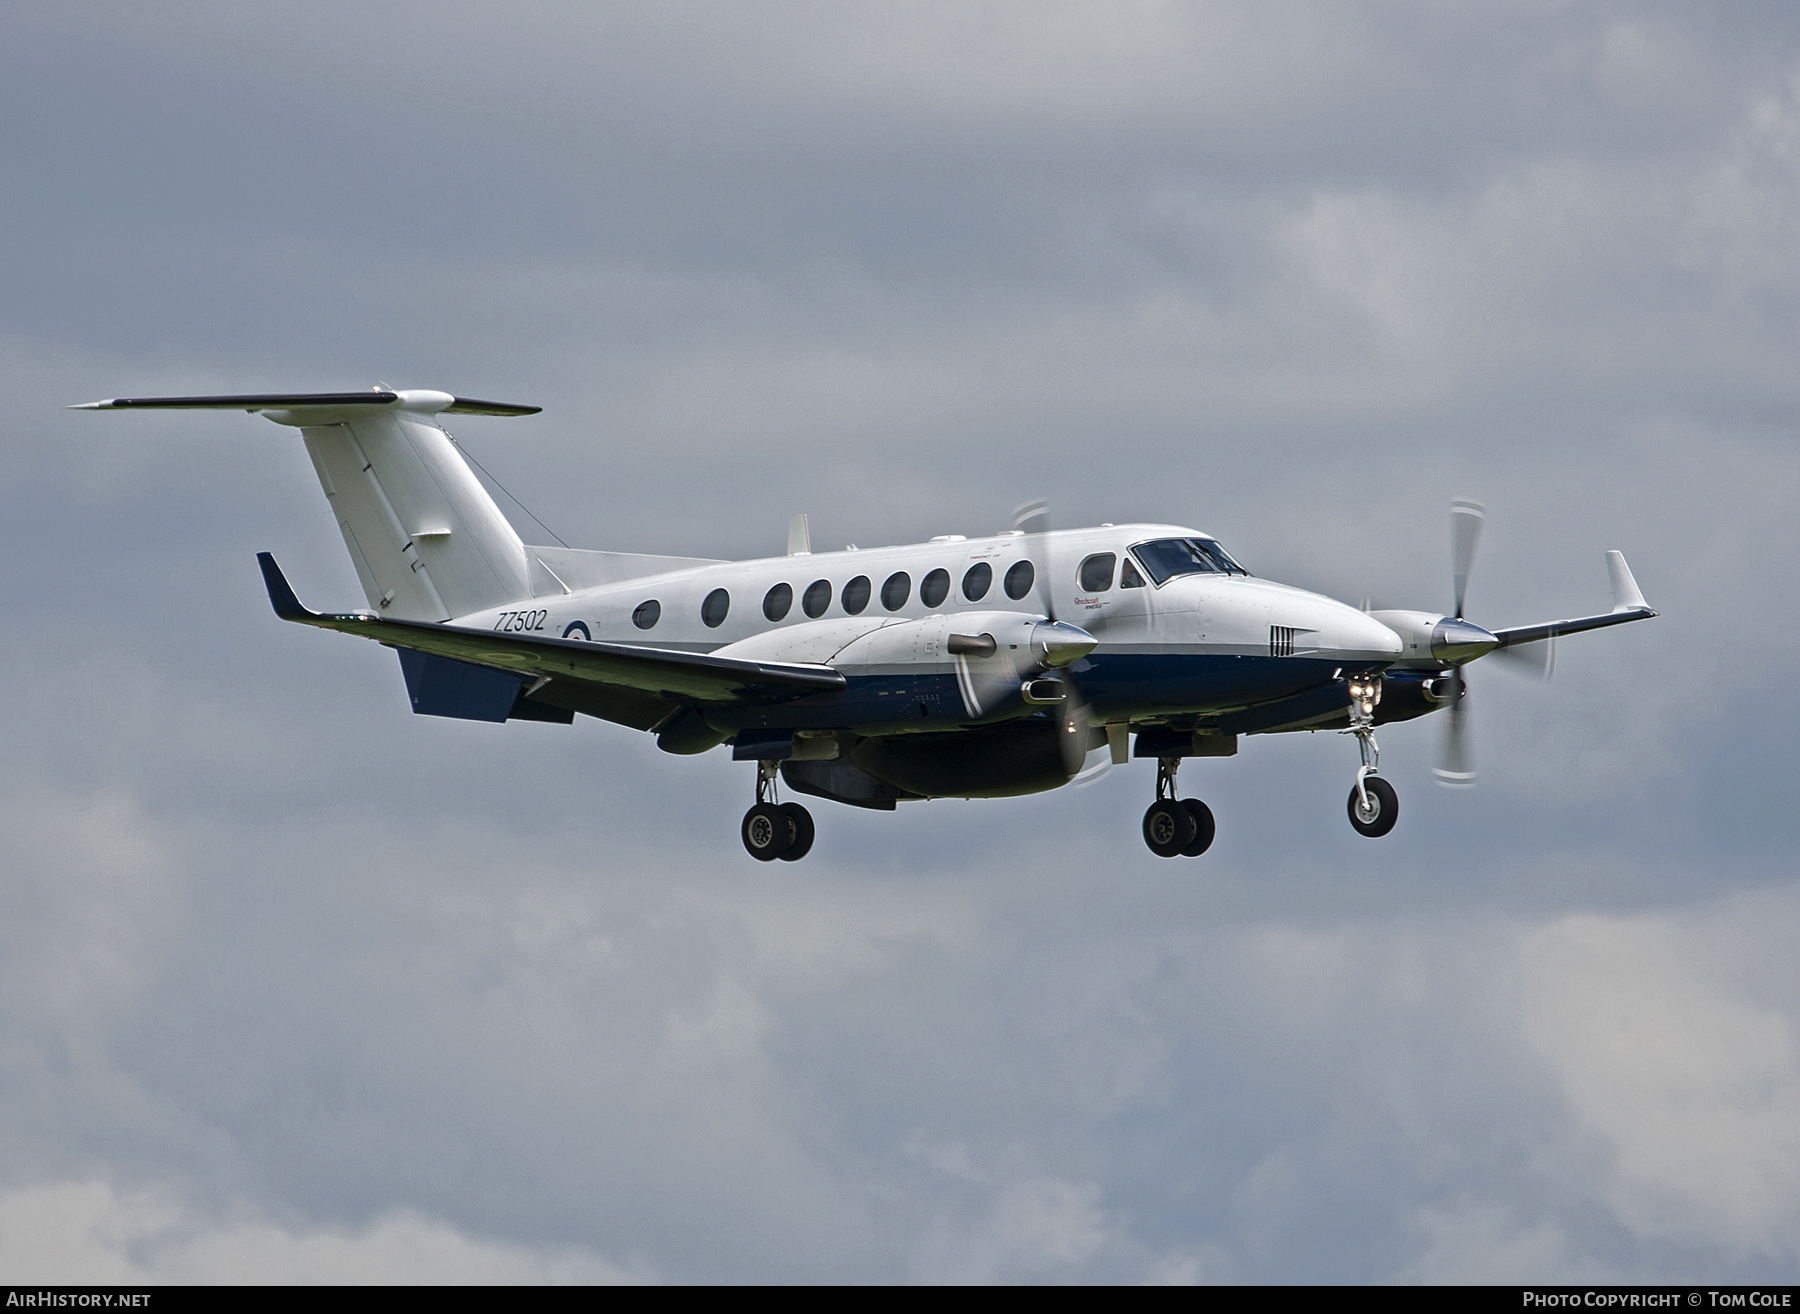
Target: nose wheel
x=1176 y=827
x=1374 y=806
x=774 y=830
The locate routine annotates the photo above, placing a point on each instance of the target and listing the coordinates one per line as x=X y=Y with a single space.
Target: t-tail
x=427 y=541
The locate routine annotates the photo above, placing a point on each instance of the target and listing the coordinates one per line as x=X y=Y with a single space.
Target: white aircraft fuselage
x=1193 y=644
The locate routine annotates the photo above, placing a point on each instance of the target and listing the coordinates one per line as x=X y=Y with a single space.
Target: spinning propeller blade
x=1032 y=519
x=1532 y=659
x=1456 y=766
x=1465 y=533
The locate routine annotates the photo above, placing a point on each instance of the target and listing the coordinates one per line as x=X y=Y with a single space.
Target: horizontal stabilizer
x=284 y=401
x=681 y=678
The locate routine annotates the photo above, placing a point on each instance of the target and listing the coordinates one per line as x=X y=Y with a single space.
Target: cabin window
x=977 y=581
x=856 y=595
x=1129 y=577
x=778 y=601
x=934 y=588
x=816 y=598
x=1095 y=575
x=1019 y=577
x=647 y=614
x=896 y=591
x=712 y=611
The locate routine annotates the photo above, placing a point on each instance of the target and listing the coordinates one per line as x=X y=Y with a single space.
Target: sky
x=297 y=986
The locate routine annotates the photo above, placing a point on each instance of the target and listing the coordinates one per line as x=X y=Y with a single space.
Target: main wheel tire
x=765 y=832
x=1168 y=827
x=1383 y=811
x=1204 y=828
x=800 y=832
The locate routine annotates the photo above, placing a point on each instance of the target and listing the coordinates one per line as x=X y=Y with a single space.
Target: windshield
x=1168 y=557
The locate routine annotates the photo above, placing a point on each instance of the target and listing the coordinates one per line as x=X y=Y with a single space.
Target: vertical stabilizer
x=427 y=540
x=799 y=536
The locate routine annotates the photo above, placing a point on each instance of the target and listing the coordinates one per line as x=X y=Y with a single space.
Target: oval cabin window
x=1019 y=578
x=856 y=595
x=647 y=614
x=977 y=581
x=712 y=611
x=934 y=588
x=778 y=601
x=896 y=591
x=816 y=598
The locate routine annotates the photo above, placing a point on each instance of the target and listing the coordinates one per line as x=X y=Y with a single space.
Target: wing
x=640 y=685
x=1535 y=633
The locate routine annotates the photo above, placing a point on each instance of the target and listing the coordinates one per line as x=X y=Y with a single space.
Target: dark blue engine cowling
x=1407 y=694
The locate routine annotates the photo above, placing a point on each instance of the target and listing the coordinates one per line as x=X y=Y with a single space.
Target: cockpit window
x=1168 y=557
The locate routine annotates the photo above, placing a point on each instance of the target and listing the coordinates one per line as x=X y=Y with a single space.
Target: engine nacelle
x=1414 y=629
x=1406 y=694
x=1429 y=638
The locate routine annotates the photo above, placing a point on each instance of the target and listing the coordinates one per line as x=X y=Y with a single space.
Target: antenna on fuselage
x=799 y=536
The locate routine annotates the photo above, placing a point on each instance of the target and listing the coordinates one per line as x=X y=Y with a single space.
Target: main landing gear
x=1176 y=827
x=1374 y=806
x=776 y=830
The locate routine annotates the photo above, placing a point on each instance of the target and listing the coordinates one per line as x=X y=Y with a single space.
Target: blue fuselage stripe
x=1113 y=685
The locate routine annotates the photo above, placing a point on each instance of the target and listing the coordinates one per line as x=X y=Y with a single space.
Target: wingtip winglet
x=1626 y=594
x=281 y=593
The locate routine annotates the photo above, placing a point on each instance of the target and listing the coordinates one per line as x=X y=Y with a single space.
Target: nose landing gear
x=775 y=830
x=1374 y=806
x=1176 y=827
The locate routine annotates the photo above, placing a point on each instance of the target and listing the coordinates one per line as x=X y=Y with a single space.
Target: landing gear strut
x=1374 y=807
x=1176 y=827
x=774 y=830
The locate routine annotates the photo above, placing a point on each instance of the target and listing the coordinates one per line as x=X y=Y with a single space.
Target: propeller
x=1063 y=644
x=1456 y=766
x=1466 y=519
x=1533 y=659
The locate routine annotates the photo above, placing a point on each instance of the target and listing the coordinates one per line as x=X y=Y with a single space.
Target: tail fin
x=428 y=542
